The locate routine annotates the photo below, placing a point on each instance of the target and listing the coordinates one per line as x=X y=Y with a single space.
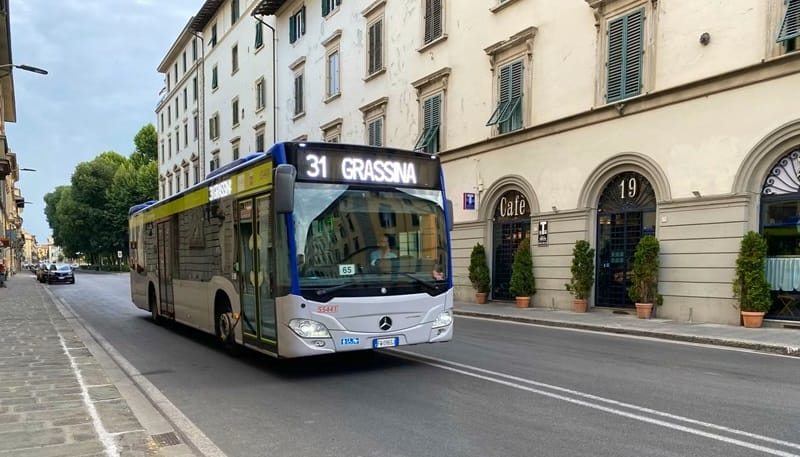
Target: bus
x=305 y=249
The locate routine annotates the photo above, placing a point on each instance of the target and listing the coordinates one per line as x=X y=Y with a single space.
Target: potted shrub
x=479 y=273
x=522 y=284
x=580 y=285
x=750 y=283
x=644 y=288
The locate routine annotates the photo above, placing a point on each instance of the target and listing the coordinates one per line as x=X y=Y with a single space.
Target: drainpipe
x=274 y=82
x=201 y=104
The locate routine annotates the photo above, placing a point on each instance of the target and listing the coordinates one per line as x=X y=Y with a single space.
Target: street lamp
x=25 y=67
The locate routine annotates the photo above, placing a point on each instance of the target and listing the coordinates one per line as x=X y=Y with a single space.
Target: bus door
x=166 y=256
x=255 y=253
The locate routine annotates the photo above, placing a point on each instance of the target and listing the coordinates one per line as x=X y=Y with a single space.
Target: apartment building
x=602 y=120
x=179 y=115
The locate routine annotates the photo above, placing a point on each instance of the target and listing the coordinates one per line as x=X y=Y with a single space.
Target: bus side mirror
x=449 y=208
x=283 y=189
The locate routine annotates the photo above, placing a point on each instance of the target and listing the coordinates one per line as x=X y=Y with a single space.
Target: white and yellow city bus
x=306 y=249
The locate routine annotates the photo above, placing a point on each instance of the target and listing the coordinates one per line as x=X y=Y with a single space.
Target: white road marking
x=520 y=383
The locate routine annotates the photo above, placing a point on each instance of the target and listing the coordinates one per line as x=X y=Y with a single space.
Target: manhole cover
x=166 y=439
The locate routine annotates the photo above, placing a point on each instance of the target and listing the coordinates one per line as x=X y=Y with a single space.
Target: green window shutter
x=509 y=100
x=372 y=65
x=259 y=35
x=432 y=119
x=214 y=78
x=433 y=20
x=377 y=49
x=293 y=29
x=625 y=56
x=790 y=26
x=375 y=132
x=302 y=28
x=298 y=94
x=326 y=8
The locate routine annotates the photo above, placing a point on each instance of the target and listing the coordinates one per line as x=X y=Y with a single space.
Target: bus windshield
x=354 y=241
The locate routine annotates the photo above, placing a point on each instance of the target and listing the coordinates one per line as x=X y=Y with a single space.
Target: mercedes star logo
x=385 y=323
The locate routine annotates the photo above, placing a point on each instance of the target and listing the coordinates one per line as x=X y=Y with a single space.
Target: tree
x=522 y=283
x=146 y=142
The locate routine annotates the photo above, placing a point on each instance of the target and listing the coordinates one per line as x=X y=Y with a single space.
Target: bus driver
x=383 y=251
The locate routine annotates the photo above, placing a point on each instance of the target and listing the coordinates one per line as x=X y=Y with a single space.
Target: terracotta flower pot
x=752 y=319
x=643 y=310
x=579 y=305
x=480 y=298
x=523 y=302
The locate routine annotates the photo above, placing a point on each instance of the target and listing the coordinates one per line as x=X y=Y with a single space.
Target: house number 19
x=627 y=188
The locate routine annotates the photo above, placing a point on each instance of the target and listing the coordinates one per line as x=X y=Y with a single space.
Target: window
x=234 y=11
x=431 y=120
x=374 y=120
x=235 y=111
x=299 y=107
x=213 y=41
x=176 y=107
x=375 y=132
x=184 y=61
x=169 y=181
x=163 y=189
x=332 y=131
x=259 y=35
x=185 y=135
x=177 y=183
x=625 y=36
x=196 y=166
x=185 y=98
x=375 y=47
x=297 y=25
x=186 y=176
x=169 y=116
x=789 y=34
x=214 y=81
x=213 y=126
x=261 y=94
x=329 y=6
x=196 y=126
x=213 y=164
x=194 y=89
x=177 y=140
x=162 y=152
x=332 y=74
x=508 y=114
x=433 y=20
x=234 y=58
x=260 y=140
x=235 y=147
x=169 y=148
x=194 y=49
x=176 y=72
x=162 y=122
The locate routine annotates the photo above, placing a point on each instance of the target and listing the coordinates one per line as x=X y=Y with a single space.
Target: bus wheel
x=151 y=300
x=224 y=323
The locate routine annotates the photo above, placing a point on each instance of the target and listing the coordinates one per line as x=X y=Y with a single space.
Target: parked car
x=41 y=271
x=60 y=273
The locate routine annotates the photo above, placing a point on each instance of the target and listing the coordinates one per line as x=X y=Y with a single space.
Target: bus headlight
x=444 y=319
x=306 y=328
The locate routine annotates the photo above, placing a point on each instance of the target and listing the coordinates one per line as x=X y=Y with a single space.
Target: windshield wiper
x=328 y=290
x=431 y=287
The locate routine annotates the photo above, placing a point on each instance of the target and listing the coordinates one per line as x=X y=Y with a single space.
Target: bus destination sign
x=345 y=166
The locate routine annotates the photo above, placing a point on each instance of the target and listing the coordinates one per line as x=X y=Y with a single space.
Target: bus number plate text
x=347 y=269
x=378 y=343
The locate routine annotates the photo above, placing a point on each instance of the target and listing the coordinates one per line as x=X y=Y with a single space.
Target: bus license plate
x=378 y=343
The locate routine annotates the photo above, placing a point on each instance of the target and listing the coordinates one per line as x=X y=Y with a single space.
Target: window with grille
x=297 y=25
x=507 y=116
x=625 y=37
x=789 y=34
x=375 y=132
x=433 y=20
x=428 y=140
x=328 y=6
x=332 y=74
x=298 y=94
x=375 y=47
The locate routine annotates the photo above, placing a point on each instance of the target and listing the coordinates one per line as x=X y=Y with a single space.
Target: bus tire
x=224 y=323
x=153 y=303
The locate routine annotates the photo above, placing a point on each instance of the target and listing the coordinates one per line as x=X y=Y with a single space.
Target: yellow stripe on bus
x=247 y=182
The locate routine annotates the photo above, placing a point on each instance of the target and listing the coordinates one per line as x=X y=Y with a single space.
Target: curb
x=761 y=347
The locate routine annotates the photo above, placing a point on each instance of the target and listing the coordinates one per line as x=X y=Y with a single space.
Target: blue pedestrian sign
x=469 y=200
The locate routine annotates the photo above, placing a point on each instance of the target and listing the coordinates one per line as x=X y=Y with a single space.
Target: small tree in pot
x=582 y=269
x=479 y=273
x=644 y=289
x=522 y=284
x=750 y=283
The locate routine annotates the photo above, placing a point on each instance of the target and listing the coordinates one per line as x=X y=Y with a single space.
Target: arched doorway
x=511 y=224
x=626 y=211
x=780 y=225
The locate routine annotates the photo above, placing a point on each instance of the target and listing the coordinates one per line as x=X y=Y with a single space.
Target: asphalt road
x=498 y=389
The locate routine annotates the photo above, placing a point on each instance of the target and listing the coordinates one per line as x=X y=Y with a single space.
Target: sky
x=102 y=88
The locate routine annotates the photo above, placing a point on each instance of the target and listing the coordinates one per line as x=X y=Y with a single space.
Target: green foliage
x=146 y=142
x=582 y=270
x=644 y=288
x=750 y=283
x=522 y=281
x=479 y=269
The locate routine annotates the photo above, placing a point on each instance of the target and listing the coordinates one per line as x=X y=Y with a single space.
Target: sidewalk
x=57 y=397
x=776 y=340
